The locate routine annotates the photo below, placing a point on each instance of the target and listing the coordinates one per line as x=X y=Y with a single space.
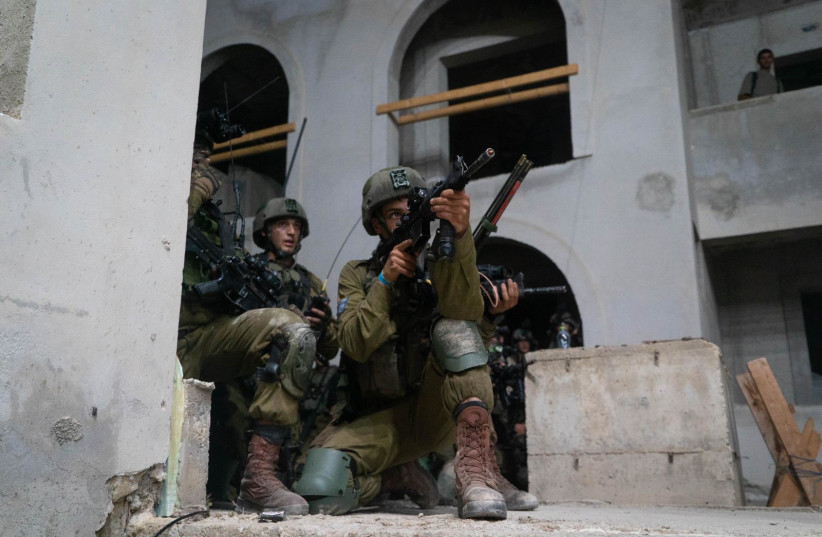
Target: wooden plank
x=480 y=89
x=257 y=135
x=247 y=151
x=786 y=491
x=760 y=415
x=787 y=432
x=482 y=104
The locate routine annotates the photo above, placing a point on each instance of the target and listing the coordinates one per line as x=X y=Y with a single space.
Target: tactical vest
x=394 y=370
x=296 y=283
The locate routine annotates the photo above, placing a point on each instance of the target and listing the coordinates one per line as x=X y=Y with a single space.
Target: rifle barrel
x=557 y=289
x=481 y=161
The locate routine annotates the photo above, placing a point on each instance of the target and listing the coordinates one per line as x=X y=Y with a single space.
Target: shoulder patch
x=341 y=306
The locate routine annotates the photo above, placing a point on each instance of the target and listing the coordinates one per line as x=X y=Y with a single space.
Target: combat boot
x=475 y=484
x=414 y=481
x=515 y=499
x=260 y=489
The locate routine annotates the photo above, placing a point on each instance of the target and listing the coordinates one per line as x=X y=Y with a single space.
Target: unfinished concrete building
x=668 y=208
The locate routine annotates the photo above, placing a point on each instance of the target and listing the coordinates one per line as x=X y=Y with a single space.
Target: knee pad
x=325 y=482
x=297 y=358
x=458 y=345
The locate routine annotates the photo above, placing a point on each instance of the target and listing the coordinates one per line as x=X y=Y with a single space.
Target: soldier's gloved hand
x=508 y=297
x=454 y=206
x=318 y=318
x=399 y=263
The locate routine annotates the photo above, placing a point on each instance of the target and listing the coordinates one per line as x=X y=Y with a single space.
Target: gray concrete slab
x=557 y=520
x=633 y=424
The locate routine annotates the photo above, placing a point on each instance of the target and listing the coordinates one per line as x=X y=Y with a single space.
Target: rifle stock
x=488 y=223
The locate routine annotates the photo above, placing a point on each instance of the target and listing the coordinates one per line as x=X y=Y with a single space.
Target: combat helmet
x=277 y=208
x=386 y=185
x=521 y=334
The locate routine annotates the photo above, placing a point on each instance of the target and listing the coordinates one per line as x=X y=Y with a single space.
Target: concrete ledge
x=642 y=424
x=559 y=520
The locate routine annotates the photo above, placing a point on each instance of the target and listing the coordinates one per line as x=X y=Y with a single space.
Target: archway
x=537 y=312
x=250 y=83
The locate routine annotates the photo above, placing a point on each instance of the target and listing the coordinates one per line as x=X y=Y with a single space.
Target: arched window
x=250 y=83
x=466 y=43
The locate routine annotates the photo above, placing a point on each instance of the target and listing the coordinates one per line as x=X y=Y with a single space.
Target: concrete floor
x=555 y=520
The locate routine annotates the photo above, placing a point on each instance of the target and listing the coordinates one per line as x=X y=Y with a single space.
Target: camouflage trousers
x=416 y=426
x=232 y=347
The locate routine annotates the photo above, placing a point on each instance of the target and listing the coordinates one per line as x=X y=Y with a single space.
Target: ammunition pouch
x=329 y=482
x=380 y=377
x=458 y=345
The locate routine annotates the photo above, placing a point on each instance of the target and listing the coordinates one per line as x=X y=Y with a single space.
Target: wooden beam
x=481 y=89
x=786 y=491
x=798 y=447
x=247 y=151
x=257 y=135
x=482 y=104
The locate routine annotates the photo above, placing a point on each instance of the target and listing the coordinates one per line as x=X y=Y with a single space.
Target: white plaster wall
x=619 y=220
x=755 y=164
x=627 y=226
x=724 y=53
x=94 y=181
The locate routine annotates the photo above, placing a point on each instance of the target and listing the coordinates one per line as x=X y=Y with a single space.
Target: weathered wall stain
x=67 y=429
x=719 y=193
x=655 y=192
x=43 y=307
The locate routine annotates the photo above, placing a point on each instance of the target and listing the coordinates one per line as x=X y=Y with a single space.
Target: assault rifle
x=416 y=224
x=491 y=276
x=494 y=275
x=244 y=281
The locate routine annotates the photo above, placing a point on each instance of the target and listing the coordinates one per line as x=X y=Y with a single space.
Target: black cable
x=176 y=520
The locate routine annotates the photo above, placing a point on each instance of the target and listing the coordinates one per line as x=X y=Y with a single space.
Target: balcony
x=756 y=165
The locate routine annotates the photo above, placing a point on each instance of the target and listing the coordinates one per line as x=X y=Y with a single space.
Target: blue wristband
x=384 y=281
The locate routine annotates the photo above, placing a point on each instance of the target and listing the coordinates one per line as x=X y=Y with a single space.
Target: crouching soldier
x=416 y=368
x=218 y=342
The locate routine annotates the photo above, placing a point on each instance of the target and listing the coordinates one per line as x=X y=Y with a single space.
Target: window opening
x=812 y=313
x=801 y=70
x=250 y=69
x=539 y=128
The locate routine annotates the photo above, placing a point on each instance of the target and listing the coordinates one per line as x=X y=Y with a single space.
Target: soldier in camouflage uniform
x=280 y=225
x=217 y=343
x=416 y=372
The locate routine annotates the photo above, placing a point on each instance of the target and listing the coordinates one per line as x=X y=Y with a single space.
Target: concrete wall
x=644 y=424
x=758 y=289
x=94 y=181
x=724 y=53
x=755 y=165
x=618 y=223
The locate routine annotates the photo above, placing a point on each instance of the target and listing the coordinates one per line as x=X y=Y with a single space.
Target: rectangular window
x=801 y=70
x=540 y=128
x=812 y=313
